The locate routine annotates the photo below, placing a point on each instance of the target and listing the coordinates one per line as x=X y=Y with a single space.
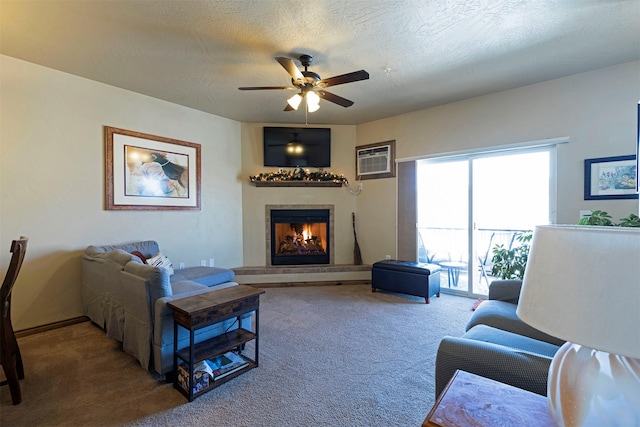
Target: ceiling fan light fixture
x=308 y=81
x=313 y=102
x=313 y=107
x=295 y=101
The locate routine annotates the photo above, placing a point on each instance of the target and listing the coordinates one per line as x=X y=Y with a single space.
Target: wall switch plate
x=359 y=186
x=203 y=263
x=181 y=266
x=212 y=262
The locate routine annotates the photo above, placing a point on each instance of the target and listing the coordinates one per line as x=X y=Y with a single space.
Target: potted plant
x=596 y=217
x=602 y=218
x=510 y=263
x=630 y=220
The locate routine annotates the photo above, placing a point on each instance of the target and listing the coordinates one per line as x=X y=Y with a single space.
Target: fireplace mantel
x=297 y=184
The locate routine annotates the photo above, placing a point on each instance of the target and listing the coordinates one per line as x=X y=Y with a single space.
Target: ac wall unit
x=375 y=160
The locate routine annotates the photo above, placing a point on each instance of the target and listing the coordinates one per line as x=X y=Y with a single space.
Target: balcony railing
x=438 y=245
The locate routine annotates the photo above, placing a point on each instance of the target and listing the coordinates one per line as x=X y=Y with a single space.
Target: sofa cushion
x=514 y=341
x=185 y=286
x=162 y=261
x=502 y=315
x=140 y=255
x=148 y=248
x=208 y=276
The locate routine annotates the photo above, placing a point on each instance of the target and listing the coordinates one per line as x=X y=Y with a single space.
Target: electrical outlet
x=181 y=266
x=212 y=262
x=387 y=257
x=584 y=213
x=203 y=263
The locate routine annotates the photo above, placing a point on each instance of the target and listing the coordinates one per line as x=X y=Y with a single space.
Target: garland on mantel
x=300 y=174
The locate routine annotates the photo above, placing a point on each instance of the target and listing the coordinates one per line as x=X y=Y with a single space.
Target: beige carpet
x=329 y=356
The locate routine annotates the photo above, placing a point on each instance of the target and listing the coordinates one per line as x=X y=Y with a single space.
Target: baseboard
x=302 y=284
x=81 y=319
x=51 y=326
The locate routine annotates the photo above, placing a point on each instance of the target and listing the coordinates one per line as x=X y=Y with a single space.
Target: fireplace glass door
x=299 y=236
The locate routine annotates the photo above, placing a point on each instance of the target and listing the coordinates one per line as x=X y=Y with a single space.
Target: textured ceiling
x=419 y=53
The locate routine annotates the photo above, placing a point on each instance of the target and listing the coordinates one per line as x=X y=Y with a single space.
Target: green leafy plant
x=510 y=263
x=630 y=220
x=602 y=218
x=596 y=217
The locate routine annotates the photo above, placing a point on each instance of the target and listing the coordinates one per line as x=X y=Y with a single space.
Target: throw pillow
x=140 y=255
x=161 y=261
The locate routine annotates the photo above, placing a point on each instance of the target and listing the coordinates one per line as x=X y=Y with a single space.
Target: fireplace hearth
x=300 y=236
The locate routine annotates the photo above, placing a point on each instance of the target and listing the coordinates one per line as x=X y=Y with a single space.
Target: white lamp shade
x=313 y=97
x=313 y=101
x=582 y=284
x=294 y=101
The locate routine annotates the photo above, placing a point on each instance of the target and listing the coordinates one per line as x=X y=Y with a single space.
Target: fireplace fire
x=299 y=236
x=300 y=239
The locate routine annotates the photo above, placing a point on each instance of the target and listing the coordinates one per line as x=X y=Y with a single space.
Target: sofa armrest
x=158 y=282
x=137 y=317
x=507 y=365
x=162 y=309
x=505 y=290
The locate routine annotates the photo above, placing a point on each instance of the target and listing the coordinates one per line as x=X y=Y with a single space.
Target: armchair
x=499 y=311
x=498 y=345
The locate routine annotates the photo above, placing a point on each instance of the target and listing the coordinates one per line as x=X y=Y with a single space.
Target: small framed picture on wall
x=611 y=178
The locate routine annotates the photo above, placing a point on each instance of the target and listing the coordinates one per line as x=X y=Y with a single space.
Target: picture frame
x=377 y=160
x=638 y=153
x=610 y=178
x=150 y=172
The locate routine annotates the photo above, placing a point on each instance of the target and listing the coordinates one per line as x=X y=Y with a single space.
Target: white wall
x=52 y=184
x=597 y=110
x=254 y=199
x=52 y=170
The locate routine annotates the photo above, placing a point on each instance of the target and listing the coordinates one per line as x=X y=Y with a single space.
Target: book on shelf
x=207 y=370
x=202 y=375
x=229 y=372
x=226 y=364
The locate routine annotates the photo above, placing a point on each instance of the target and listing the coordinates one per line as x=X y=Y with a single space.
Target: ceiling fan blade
x=288 y=108
x=268 y=88
x=291 y=68
x=328 y=96
x=344 y=78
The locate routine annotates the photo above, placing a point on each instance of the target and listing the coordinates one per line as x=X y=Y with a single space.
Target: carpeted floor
x=329 y=356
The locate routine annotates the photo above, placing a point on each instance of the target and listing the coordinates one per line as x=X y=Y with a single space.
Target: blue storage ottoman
x=406 y=277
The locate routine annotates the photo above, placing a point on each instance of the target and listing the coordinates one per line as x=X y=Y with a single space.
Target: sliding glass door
x=468 y=204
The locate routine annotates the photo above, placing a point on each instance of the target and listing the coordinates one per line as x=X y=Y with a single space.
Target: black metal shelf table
x=199 y=311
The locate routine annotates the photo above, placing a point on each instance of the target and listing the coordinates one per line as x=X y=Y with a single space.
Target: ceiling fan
x=310 y=85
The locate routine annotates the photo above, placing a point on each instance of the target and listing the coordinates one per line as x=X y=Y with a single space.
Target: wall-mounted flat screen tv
x=297 y=147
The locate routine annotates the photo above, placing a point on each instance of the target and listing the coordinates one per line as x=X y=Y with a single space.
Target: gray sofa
x=128 y=299
x=498 y=345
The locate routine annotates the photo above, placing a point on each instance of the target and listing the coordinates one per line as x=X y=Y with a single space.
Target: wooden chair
x=10 y=357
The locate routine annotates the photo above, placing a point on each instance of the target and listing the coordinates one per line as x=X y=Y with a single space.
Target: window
x=466 y=204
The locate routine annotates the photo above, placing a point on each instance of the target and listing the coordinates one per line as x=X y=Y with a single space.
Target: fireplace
x=299 y=235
